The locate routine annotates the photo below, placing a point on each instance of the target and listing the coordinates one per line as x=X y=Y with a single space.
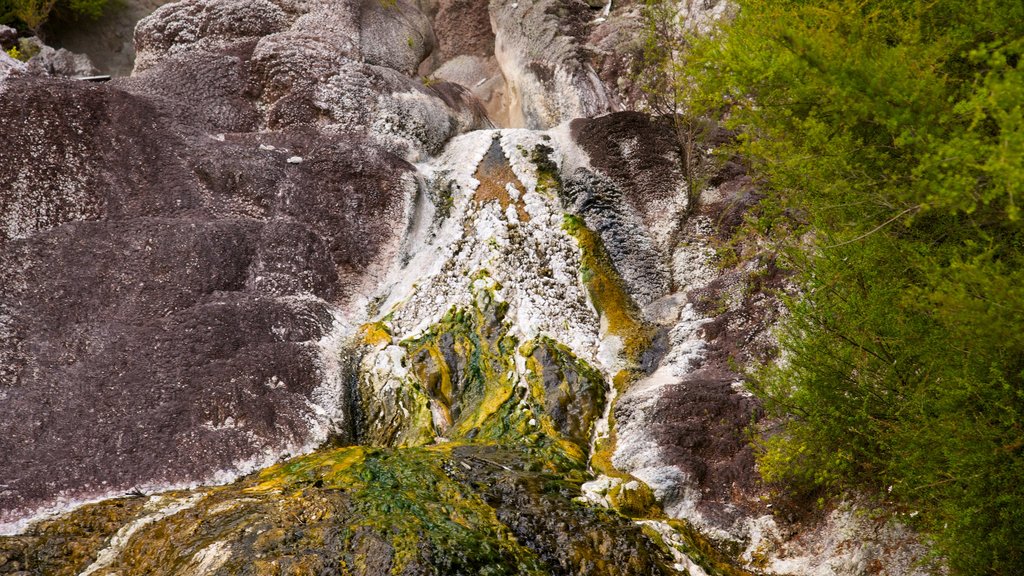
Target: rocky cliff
x=380 y=286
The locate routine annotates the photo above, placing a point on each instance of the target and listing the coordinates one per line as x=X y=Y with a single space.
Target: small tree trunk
x=688 y=136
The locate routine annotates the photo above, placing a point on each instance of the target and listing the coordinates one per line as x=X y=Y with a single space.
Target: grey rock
x=9 y=65
x=641 y=156
x=629 y=244
x=483 y=78
x=55 y=62
x=396 y=35
x=539 y=44
x=8 y=37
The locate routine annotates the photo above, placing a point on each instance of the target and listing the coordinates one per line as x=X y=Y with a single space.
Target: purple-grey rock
x=8 y=37
x=169 y=283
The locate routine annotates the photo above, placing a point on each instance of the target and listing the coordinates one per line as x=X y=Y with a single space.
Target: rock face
x=539 y=48
x=172 y=271
x=304 y=229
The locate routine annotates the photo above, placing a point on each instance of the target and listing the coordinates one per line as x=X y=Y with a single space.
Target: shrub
x=31 y=15
x=889 y=135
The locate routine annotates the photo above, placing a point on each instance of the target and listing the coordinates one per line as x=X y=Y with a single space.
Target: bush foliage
x=30 y=15
x=889 y=136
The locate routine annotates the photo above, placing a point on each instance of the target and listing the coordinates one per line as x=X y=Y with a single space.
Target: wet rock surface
x=454 y=510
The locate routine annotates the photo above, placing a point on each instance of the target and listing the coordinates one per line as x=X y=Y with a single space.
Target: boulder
x=54 y=62
x=8 y=37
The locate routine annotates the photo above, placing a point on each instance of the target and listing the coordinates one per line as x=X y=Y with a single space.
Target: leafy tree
x=889 y=135
x=84 y=8
x=33 y=13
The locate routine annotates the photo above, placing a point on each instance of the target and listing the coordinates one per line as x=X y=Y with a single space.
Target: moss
x=549 y=180
x=443 y=195
x=635 y=499
x=704 y=552
x=27 y=49
x=601 y=459
x=407 y=495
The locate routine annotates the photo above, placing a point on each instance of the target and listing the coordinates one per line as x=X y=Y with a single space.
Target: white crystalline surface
x=532 y=263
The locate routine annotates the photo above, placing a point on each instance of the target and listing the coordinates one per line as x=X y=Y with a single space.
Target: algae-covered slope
x=450 y=509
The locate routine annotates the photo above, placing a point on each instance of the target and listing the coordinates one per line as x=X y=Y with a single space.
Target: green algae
x=308 y=515
x=451 y=509
x=634 y=499
x=571 y=391
x=463 y=384
x=623 y=319
x=466 y=364
x=705 y=553
x=549 y=180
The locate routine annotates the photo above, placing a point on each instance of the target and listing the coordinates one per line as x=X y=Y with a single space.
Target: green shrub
x=31 y=15
x=889 y=135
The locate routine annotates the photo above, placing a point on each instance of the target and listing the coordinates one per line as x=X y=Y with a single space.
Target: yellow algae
x=328 y=466
x=607 y=291
x=496 y=396
x=375 y=334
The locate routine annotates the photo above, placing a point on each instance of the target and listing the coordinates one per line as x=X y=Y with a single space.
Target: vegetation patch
x=31 y=15
x=889 y=141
